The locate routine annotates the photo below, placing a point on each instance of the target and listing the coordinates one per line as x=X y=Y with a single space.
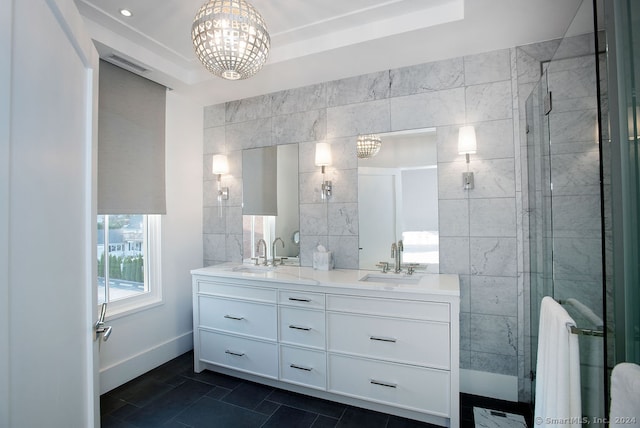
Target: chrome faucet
x=262 y=241
x=273 y=249
x=396 y=253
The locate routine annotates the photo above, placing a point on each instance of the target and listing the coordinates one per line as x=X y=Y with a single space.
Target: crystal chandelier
x=368 y=145
x=230 y=38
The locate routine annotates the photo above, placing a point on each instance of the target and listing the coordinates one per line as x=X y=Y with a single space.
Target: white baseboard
x=493 y=385
x=123 y=371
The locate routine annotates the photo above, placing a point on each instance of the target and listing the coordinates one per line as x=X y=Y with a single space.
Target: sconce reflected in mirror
x=219 y=166
x=323 y=158
x=467 y=145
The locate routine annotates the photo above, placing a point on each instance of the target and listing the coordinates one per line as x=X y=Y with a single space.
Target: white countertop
x=441 y=284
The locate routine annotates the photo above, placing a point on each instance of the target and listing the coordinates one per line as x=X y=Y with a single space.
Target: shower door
x=564 y=189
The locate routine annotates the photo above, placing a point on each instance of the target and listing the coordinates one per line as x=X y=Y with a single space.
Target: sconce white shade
x=220 y=164
x=467 y=140
x=323 y=154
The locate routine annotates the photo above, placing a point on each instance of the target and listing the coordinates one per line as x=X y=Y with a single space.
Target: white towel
x=558 y=401
x=625 y=396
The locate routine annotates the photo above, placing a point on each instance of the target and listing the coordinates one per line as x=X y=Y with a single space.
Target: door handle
x=100 y=328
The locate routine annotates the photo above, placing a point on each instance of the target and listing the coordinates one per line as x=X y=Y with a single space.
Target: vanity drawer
x=303 y=366
x=302 y=327
x=258 y=294
x=432 y=311
x=238 y=316
x=424 y=343
x=302 y=299
x=410 y=387
x=248 y=355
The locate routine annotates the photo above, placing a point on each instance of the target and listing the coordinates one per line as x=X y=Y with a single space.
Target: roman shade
x=131 y=143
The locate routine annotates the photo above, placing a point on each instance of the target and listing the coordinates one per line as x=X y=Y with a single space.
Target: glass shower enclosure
x=566 y=176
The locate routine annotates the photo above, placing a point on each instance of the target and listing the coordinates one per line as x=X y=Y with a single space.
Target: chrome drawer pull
x=237 y=354
x=297 y=327
x=383 y=339
x=296 y=299
x=387 y=384
x=295 y=366
x=231 y=317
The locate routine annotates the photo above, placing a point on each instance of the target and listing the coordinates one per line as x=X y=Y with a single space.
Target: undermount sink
x=390 y=278
x=253 y=269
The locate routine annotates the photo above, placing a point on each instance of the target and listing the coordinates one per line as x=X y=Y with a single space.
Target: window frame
x=153 y=274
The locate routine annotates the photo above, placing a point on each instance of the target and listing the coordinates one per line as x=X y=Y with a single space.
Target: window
x=128 y=261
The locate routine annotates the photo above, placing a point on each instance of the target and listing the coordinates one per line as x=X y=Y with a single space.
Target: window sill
x=125 y=309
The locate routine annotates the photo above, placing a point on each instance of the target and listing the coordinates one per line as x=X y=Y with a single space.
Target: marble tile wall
x=481 y=231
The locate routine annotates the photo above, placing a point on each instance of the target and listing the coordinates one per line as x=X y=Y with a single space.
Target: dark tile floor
x=172 y=395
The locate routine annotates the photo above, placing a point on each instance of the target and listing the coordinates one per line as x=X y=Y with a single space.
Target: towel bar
x=585 y=331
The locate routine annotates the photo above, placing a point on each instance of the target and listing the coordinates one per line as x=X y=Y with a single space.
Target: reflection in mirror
x=279 y=215
x=398 y=200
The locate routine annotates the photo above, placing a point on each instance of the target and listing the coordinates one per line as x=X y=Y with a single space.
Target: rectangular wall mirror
x=270 y=201
x=398 y=200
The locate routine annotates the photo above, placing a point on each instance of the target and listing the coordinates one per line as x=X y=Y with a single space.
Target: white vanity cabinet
x=382 y=346
x=236 y=327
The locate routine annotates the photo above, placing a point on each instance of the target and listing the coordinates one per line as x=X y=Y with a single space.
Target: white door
x=49 y=213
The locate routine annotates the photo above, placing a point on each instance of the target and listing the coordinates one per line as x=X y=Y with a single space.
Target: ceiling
x=314 y=41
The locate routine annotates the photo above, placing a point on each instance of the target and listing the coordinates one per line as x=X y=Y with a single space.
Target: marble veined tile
x=576 y=216
x=214 y=115
x=494 y=178
x=298 y=127
x=492 y=217
x=494 y=363
x=296 y=100
x=493 y=256
x=249 y=135
x=494 y=295
x=575 y=174
x=487 y=67
x=343 y=219
x=432 y=76
x=343 y=151
x=214 y=246
x=248 y=109
x=454 y=255
x=354 y=119
x=489 y=101
x=344 y=184
x=573 y=83
x=233 y=244
x=313 y=219
x=436 y=108
x=214 y=140
x=577 y=258
x=495 y=334
x=345 y=251
x=368 y=87
x=213 y=222
x=453 y=217
x=569 y=126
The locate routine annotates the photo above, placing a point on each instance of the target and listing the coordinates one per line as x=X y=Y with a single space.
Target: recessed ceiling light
x=126 y=12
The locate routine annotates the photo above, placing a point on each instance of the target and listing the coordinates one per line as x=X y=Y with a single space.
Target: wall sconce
x=467 y=145
x=323 y=158
x=219 y=166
